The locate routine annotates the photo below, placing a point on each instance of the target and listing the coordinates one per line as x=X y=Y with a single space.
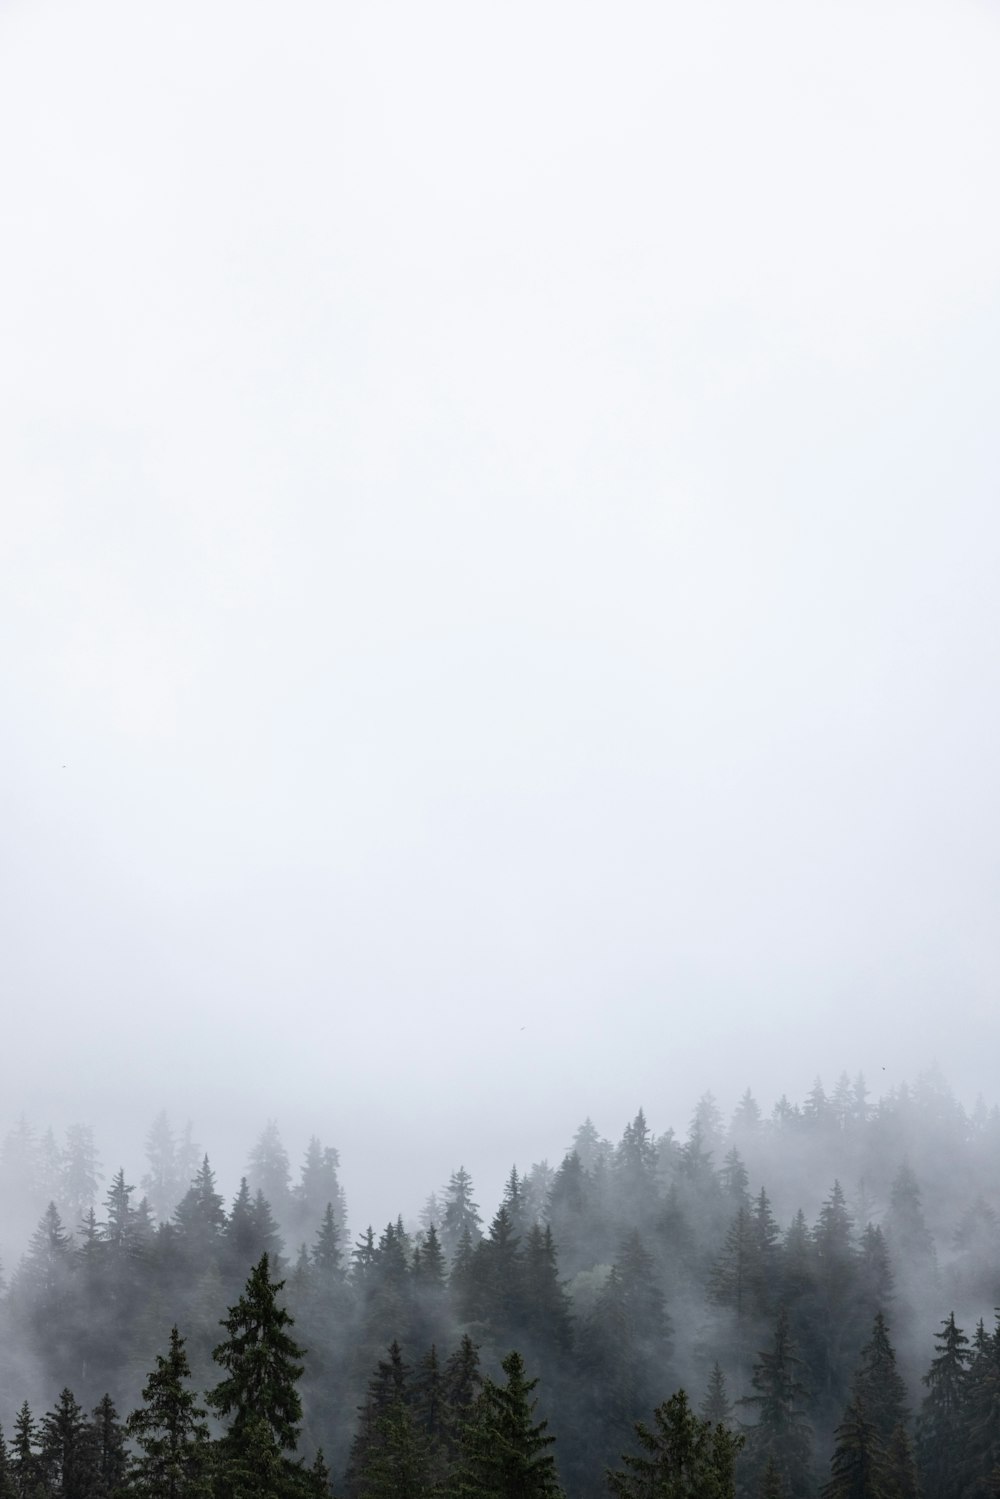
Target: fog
x=499 y=550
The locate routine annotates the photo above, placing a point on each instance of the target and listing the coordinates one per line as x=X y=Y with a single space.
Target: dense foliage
x=789 y=1273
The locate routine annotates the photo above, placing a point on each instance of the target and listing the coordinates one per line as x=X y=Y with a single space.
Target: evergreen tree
x=109 y=1453
x=461 y=1384
x=269 y=1171
x=326 y=1256
x=782 y=1435
x=545 y=1305
x=878 y=1385
x=717 y=1408
x=859 y=1468
x=26 y=1470
x=940 y=1439
x=680 y=1457
x=505 y=1452
x=461 y=1214
x=170 y=1432
x=67 y=1455
x=377 y=1430
x=162 y=1183
x=981 y=1423
x=200 y=1218
x=81 y=1172
x=6 y=1474
x=258 y=1395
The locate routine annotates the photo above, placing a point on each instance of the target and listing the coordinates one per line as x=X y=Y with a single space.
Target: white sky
x=499 y=529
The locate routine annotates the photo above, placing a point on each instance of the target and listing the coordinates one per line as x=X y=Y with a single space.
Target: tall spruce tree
x=169 y=1432
x=259 y=1396
x=940 y=1437
x=782 y=1435
x=505 y=1451
x=680 y=1457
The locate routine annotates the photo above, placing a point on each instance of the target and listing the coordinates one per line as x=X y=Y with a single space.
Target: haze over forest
x=498 y=557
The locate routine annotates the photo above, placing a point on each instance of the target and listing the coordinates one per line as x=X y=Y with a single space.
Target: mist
x=499 y=542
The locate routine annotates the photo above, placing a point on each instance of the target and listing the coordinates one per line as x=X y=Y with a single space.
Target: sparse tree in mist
x=81 y=1172
x=781 y=1434
x=318 y=1187
x=461 y=1213
x=717 y=1408
x=269 y=1171
x=162 y=1182
x=326 y=1256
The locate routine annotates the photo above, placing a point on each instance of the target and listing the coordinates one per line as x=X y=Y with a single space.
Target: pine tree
x=6 y=1475
x=258 y=1396
x=680 y=1457
x=717 y=1408
x=505 y=1452
x=859 y=1468
x=326 y=1256
x=170 y=1432
x=546 y=1308
x=940 y=1443
x=27 y=1472
x=110 y=1456
x=981 y=1423
x=200 y=1218
x=461 y=1384
x=269 y=1171
x=878 y=1385
x=461 y=1214
x=162 y=1183
x=388 y=1387
x=782 y=1435
x=67 y=1456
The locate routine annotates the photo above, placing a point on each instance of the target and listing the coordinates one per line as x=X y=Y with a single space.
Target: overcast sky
x=500 y=540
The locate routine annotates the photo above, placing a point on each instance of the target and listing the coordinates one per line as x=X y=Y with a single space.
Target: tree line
x=627 y=1273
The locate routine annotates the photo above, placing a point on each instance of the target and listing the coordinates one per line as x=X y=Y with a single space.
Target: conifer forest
x=795 y=1301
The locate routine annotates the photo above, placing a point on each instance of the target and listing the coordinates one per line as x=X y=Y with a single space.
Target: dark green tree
x=680 y=1457
x=859 y=1467
x=878 y=1385
x=26 y=1470
x=940 y=1434
x=110 y=1455
x=169 y=1432
x=67 y=1451
x=259 y=1396
x=505 y=1451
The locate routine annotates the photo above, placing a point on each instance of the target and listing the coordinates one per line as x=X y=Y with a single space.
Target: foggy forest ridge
x=674 y=1253
x=39 y=1164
